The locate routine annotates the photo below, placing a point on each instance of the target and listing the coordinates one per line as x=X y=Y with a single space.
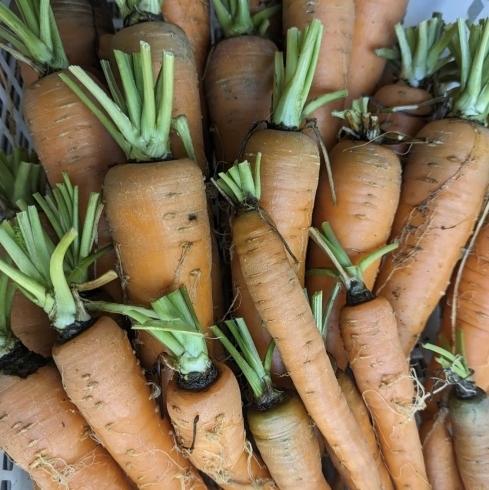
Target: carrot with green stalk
x=368 y=328
x=143 y=22
x=279 y=299
x=65 y=133
x=420 y=58
x=444 y=186
x=278 y=420
x=100 y=372
x=21 y=176
x=367 y=180
x=163 y=205
x=203 y=398
x=468 y=406
x=239 y=77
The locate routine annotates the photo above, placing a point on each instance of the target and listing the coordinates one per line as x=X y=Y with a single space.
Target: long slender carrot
x=276 y=418
x=280 y=301
x=444 y=184
x=439 y=454
x=238 y=79
x=374 y=29
x=367 y=182
x=163 y=206
x=419 y=67
x=144 y=23
x=100 y=372
x=369 y=331
x=338 y=19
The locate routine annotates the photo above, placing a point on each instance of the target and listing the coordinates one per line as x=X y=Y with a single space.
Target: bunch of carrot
x=292 y=202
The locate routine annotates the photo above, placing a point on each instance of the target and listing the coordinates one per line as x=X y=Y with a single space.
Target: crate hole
x=7 y=463
x=6 y=485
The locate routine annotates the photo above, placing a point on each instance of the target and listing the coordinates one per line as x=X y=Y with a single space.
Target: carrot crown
x=52 y=275
x=171 y=320
x=470 y=46
x=350 y=275
x=293 y=80
x=256 y=371
x=21 y=175
x=420 y=50
x=235 y=18
x=140 y=120
x=35 y=38
x=136 y=11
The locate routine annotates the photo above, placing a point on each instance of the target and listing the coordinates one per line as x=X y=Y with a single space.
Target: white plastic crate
x=13 y=132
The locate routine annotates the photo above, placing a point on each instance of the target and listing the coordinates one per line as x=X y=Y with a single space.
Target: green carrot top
x=140 y=119
x=469 y=47
x=136 y=11
x=52 y=274
x=420 y=52
x=172 y=320
x=34 y=38
x=235 y=18
x=21 y=175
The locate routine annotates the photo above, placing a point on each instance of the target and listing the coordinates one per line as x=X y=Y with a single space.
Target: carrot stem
x=301 y=60
x=7 y=291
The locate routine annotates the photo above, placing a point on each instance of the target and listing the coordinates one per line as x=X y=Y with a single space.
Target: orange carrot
x=367 y=181
x=280 y=301
x=369 y=331
x=374 y=29
x=444 y=184
x=144 y=24
x=238 y=80
x=276 y=418
x=439 y=454
x=164 y=200
x=338 y=18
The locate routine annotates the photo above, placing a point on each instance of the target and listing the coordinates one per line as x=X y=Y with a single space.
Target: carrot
x=238 y=78
x=144 y=23
x=468 y=407
x=338 y=19
x=171 y=192
x=276 y=418
x=100 y=372
x=65 y=133
x=369 y=331
x=374 y=29
x=281 y=303
x=439 y=454
x=444 y=184
x=203 y=398
x=367 y=182
x=39 y=427
x=403 y=107
x=290 y=162
x=362 y=416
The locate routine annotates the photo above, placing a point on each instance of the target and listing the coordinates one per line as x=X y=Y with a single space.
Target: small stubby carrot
x=444 y=187
x=338 y=19
x=403 y=107
x=144 y=23
x=285 y=310
x=276 y=418
x=367 y=182
x=374 y=29
x=163 y=205
x=238 y=79
x=439 y=454
x=369 y=331
x=468 y=408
